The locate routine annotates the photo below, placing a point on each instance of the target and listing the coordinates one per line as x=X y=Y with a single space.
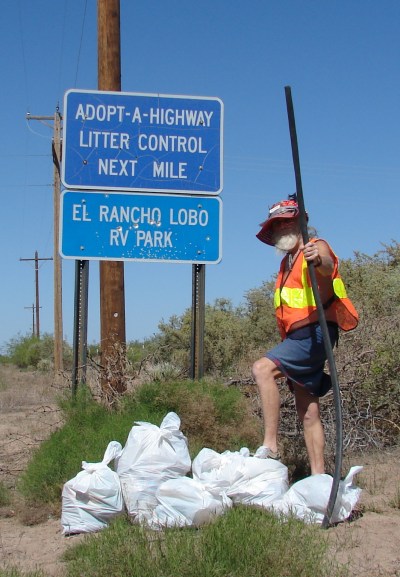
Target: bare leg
x=265 y=372
x=308 y=411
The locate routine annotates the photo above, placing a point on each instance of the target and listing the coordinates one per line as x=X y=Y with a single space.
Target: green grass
x=244 y=542
x=88 y=429
x=211 y=416
x=4 y=495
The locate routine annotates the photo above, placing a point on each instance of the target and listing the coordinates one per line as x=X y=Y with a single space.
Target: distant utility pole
x=37 y=259
x=112 y=288
x=33 y=317
x=56 y=152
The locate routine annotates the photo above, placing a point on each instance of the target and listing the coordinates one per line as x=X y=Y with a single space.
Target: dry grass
x=378 y=480
x=28 y=414
x=21 y=389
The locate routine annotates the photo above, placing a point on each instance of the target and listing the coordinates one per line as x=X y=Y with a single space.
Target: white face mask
x=285 y=241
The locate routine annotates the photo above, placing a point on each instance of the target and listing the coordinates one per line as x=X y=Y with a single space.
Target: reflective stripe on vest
x=298 y=298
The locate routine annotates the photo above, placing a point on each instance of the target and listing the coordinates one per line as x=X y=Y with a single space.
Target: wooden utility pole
x=56 y=150
x=112 y=288
x=37 y=259
x=58 y=324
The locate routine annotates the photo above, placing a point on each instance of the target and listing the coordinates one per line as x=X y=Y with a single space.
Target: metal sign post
x=198 y=320
x=80 y=324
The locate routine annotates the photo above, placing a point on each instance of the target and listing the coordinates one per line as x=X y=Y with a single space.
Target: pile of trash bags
x=151 y=482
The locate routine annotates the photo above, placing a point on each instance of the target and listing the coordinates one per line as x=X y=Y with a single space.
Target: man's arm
x=319 y=254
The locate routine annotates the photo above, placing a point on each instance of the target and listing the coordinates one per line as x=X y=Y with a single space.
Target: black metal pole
x=75 y=344
x=80 y=324
x=321 y=313
x=198 y=320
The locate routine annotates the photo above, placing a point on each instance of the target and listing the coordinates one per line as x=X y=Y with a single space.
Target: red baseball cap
x=280 y=210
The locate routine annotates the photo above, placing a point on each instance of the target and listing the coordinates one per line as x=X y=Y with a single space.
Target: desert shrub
x=367 y=358
x=212 y=415
x=224 y=340
x=30 y=351
x=162 y=371
x=232 y=335
x=260 y=326
x=140 y=352
x=173 y=340
x=24 y=351
x=45 y=365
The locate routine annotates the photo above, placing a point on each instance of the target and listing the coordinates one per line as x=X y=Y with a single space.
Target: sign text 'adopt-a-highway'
x=121 y=141
x=145 y=227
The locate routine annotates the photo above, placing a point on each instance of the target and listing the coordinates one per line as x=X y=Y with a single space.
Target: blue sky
x=341 y=59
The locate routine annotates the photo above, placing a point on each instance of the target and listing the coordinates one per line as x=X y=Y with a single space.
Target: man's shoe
x=266 y=453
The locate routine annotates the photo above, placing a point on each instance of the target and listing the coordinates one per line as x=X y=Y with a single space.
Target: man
x=300 y=357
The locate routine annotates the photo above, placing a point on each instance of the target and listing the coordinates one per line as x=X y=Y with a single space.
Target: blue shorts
x=301 y=358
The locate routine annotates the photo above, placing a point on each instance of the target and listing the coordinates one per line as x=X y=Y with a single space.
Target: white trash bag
x=246 y=480
x=185 y=502
x=263 y=481
x=308 y=499
x=218 y=470
x=92 y=498
x=151 y=456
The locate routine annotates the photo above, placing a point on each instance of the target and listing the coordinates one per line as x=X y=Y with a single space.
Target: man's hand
x=318 y=253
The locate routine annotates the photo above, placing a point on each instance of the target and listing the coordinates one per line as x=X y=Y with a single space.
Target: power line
x=80 y=44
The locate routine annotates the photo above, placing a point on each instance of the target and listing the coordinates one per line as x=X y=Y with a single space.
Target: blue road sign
x=140 y=227
x=120 y=141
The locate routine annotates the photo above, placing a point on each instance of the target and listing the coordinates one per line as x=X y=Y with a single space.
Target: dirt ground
x=30 y=539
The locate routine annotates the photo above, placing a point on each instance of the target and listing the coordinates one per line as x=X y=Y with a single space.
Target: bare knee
x=309 y=415
x=307 y=407
x=262 y=368
x=312 y=413
x=258 y=368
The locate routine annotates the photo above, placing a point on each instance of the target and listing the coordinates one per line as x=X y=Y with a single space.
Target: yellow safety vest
x=294 y=301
